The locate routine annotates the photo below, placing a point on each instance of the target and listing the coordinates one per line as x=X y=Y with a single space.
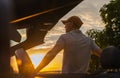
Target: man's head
x=74 y=22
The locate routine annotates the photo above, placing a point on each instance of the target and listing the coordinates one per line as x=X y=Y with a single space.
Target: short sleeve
x=93 y=45
x=61 y=41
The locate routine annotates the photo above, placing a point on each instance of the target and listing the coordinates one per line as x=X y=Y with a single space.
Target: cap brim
x=64 y=21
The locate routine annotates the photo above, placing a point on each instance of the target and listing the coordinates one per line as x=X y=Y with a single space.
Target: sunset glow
x=13 y=64
x=36 y=58
x=55 y=65
x=88 y=11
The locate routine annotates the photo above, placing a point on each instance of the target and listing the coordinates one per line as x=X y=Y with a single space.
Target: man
x=77 y=48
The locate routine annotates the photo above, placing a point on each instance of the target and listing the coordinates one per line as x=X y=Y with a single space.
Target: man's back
x=77 y=49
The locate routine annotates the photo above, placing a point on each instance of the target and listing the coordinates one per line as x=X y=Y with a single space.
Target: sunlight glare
x=54 y=65
x=36 y=59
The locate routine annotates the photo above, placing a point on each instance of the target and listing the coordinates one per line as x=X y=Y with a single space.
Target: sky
x=88 y=11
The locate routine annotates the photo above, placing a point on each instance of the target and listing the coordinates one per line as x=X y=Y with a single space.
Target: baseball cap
x=75 y=19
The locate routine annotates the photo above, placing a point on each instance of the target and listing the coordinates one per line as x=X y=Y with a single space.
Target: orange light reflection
x=54 y=65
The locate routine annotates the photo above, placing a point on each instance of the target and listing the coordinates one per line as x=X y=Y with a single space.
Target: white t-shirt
x=77 y=48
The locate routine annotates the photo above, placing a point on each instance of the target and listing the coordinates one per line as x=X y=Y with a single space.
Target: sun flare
x=55 y=64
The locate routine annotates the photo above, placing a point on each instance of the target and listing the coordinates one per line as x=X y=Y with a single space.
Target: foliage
x=99 y=37
x=110 y=14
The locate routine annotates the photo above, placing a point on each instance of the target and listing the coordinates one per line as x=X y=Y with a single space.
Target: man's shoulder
x=64 y=35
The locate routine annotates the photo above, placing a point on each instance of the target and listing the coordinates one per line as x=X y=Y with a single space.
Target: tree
x=99 y=37
x=110 y=14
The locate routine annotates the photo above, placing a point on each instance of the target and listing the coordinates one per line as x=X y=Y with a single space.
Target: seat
x=110 y=63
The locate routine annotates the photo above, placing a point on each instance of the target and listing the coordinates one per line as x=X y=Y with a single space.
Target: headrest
x=110 y=58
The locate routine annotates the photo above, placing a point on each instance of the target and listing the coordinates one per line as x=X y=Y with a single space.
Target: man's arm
x=48 y=58
x=95 y=48
x=98 y=52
